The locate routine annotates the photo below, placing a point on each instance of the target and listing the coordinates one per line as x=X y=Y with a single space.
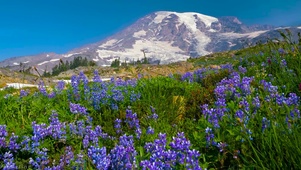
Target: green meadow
x=244 y=113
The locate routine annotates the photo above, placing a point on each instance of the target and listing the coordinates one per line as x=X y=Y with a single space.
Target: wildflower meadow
x=243 y=114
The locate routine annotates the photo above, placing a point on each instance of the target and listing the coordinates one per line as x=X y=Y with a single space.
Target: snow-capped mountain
x=163 y=36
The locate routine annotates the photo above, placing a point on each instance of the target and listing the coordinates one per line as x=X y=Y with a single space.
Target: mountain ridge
x=165 y=36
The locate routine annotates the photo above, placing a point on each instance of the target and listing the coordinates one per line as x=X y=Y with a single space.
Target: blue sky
x=35 y=26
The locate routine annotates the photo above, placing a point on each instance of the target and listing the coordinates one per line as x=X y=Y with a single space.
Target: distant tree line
x=117 y=62
x=64 y=66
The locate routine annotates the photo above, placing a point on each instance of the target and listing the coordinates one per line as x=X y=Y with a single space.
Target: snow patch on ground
x=71 y=54
x=203 y=40
x=158 y=49
x=16 y=64
x=108 y=43
x=54 y=60
x=26 y=62
x=299 y=27
x=44 y=62
x=238 y=35
x=256 y=34
x=139 y=34
x=278 y=28
x=211 y=30
x=19 y=85
x=231 y=44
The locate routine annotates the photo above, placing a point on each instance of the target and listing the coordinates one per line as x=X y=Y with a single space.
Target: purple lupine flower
x=244 y=104
x=86 y=141
x=25 y=146
x=99 y=132
x=138 y=132
x=132 y=119
x=13 y=145
x=265 y=123
x=114 y=106
x=283 y=63
x=281 y=51
x=220 y=91
x=9 y=162
x=180 y=142
x=80 y=158
x=85 y=81
x=117 y=126
x=256 y=102
x=96 y=77
x=123 y=156
x=117 y=95
x=240 y=115
x=222 y=146
x=34 y=163
x=92 y=135
x=192 y=160
x=2 y=142
x=24 y=93
x=120 y=82
x=41 y=159
x=280 y=99
x=42 y=88
x=295 y=113
x=245 y=85
x=227 y=67
x=99 y=157
x=80 y=128
x=209 y=136
x=188 y=76
x=72 y=129
x=212 y=115
x=134 y=96
x=154 y=114
x=150 y=130
x=242 y=69
x=67 y=157
x=198 y=75
x=75 y=81
x=3 y=132
x=51 y=95
x=56 y=128
x=60 y=86
x=77 y=108
x=273 y=90
x=180 y=153
x=293 y=99
x=249 y=132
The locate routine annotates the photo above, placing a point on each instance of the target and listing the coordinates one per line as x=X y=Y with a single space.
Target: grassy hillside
x=233 y=110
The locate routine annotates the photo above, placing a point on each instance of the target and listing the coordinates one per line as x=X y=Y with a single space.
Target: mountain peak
x=163 y=37
x=190 y=18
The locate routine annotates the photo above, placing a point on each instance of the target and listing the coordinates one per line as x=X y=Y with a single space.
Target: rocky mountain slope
x=163 y=37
